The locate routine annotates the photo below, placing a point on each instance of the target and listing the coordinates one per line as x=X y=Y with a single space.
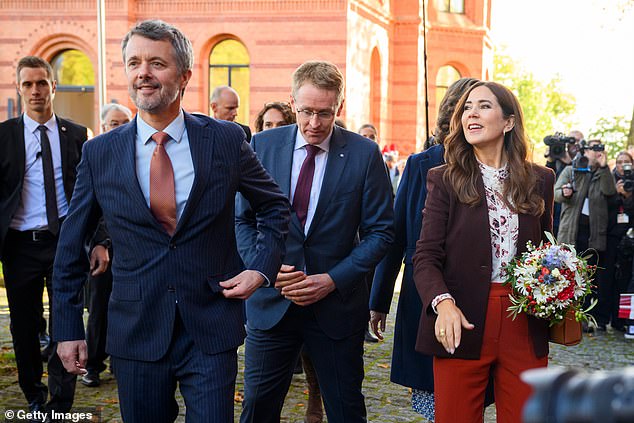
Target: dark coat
x=454 y=255
x=12 y=151
x=409 y=367
x=152 y=270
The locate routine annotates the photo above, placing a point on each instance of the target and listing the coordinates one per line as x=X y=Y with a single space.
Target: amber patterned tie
x=162 y=193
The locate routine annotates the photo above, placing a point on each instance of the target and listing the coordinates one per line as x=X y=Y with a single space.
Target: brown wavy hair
x=282 y=107
x=521 y=188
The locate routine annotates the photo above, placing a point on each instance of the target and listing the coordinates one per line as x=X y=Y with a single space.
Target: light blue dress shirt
x=31 y=211
x=179 y=153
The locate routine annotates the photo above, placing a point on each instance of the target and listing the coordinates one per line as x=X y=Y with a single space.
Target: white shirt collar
x=175 y=129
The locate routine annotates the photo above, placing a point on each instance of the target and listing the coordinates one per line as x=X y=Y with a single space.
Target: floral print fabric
x=503 y=222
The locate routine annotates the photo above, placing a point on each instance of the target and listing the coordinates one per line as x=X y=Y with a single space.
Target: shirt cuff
x=439 y=298
x=267 y=282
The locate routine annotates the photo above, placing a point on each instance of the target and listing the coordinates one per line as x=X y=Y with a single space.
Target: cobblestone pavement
x=386 y=402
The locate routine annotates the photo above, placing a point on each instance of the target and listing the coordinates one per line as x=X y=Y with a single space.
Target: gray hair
x=114 y=106
x=217 y=92
x=158 y=30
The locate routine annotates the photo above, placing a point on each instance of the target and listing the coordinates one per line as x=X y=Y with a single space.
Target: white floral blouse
x=503 y=223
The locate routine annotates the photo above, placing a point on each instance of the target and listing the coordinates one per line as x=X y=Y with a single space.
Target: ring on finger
x=441 y=333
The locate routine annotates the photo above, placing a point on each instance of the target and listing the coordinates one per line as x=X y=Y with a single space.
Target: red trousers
x=507 y=350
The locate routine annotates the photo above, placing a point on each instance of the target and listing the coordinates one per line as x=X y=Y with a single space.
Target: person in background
x=225 y=103
x=620 y=214
x=274 y=115
x=39 y=152
x=471 y=230
x=559 y=164
x=99 y=281
x=409 y=367
x=583 y=194
x=369 y=131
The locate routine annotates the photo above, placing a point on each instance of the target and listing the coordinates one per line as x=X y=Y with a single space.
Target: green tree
x=613 y=132
x=547 y=107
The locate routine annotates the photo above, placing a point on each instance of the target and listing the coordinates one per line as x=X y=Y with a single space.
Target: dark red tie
x=305 y=183
x=162 y=193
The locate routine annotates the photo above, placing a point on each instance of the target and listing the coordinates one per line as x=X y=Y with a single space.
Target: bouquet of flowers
x=549 y=281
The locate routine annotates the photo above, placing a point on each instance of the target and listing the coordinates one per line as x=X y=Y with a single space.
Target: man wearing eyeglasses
x=341 y=226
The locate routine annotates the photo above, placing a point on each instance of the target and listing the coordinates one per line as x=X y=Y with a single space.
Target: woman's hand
x=449 y=325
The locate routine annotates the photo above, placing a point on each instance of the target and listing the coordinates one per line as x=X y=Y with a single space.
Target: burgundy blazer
x=453 y=255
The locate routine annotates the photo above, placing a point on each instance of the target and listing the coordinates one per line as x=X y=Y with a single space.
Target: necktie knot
x=161 y=137
x=312 y=150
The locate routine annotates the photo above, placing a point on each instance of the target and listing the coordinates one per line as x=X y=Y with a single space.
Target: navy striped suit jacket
x=153 y=271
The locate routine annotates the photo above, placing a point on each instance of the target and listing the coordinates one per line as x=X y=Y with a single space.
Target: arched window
x=229 y=65
x=447 y=75
x=451 y=6
x=75 y=97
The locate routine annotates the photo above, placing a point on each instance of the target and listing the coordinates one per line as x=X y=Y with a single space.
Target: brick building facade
x=256 y=45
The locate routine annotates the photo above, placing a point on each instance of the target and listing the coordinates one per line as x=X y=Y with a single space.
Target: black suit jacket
x=247 y=131
x=12 y=156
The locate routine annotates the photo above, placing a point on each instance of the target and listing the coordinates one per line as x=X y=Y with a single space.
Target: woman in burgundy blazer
x=471 y=337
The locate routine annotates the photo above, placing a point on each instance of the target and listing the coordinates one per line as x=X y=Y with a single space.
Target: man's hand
x=377 y=322
x=242 y=285
x=310 y=290
x=74 y=355
x=288 y=276
x=99 y=260
x=566 y=190
x=449 y=324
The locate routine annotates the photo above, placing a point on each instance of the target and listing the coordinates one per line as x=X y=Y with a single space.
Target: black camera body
x=557 y=145
x=569 y=396
x=580 y=163
x=628 y=178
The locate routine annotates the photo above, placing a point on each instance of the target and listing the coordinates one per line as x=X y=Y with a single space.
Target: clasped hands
x=449 y=325
x=303 y=289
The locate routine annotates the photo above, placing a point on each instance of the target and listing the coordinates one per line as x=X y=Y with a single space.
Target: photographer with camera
x=561 y=150
x=617 y=262
x=583 y=189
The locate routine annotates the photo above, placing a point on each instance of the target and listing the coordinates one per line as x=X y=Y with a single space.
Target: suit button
x=170 y=288
x=172 y=245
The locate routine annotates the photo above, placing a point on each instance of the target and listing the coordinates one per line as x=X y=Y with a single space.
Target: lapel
x=64 y=146
x=124 y=148
x=18 y=136
x=201 y=144
x=283 y=163
x=481 y=222
x=337 y=159
x=282 y=167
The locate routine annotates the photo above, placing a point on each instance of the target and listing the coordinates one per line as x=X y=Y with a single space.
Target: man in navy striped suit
x=166 y=184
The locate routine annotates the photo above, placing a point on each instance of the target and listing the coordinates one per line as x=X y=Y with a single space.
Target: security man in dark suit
x=38 y=155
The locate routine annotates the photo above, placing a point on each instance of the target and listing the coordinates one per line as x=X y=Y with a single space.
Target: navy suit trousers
x=206 y=381
x=270 y=357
